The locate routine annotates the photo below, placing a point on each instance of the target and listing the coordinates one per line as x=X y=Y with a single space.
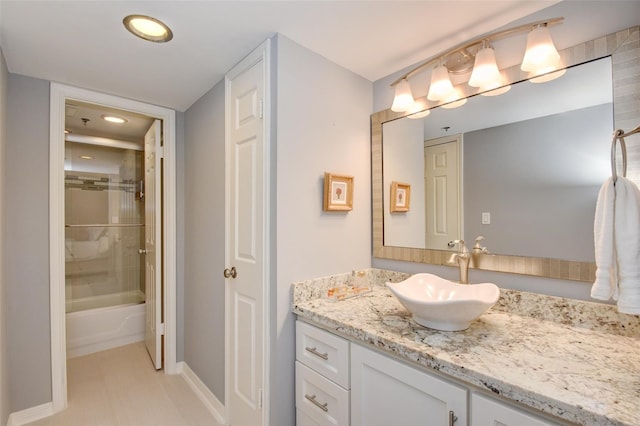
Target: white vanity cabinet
x=388 y=392
x=341 y=383
x=486 y=411
x=322 y=377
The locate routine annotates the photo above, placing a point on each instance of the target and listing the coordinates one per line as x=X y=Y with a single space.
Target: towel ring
x=618 y=136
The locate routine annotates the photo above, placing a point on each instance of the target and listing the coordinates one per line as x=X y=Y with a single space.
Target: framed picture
x=338 y=192
x=400 y=197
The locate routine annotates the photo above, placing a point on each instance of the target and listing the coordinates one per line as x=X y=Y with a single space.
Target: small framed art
x=400 y=197
x=338 y=192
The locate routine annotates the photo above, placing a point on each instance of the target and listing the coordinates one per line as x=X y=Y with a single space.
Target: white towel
x=627 y=245
x=606 y=283
x=617 y=245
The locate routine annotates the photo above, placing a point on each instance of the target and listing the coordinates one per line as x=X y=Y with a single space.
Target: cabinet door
x=388 y=392
x=486 y=411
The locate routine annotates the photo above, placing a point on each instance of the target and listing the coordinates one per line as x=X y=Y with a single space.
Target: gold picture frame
x=338 y=192
x=400 y=197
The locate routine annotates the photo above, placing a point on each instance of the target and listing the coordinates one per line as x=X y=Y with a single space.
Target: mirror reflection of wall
x=533 y=158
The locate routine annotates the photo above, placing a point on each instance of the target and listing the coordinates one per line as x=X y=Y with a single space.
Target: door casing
x=59 y=95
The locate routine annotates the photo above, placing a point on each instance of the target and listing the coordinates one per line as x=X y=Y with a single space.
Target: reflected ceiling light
x=86 y=157
x=548 y=77
x=484 y=91
x=148 y=28
x=418 y=110
x=495 y=89
x=114 y=119
x=441 y=87
x=403 y=100
x=455 y=100
x=540 y=61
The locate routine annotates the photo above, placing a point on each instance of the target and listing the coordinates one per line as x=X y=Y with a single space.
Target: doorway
x=105 y=215
x=61 y=97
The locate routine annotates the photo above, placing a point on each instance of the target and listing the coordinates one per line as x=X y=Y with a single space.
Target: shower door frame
x=59 y=95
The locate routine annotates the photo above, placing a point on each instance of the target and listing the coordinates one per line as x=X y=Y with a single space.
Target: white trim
x=215 y=407
x=261 y=53
x=29 y=415
x=59 y=94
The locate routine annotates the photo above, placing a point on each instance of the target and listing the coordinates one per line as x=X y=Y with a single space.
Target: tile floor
x=119 y=387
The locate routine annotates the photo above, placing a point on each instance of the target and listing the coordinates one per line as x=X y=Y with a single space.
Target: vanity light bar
x=460 y=59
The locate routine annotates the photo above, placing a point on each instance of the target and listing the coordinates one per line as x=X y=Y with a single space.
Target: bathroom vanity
x=530 y=360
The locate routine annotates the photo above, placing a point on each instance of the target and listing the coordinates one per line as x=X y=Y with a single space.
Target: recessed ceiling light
x=148 y=28
x=86 y=157
x=114 y=119
x=67 y=131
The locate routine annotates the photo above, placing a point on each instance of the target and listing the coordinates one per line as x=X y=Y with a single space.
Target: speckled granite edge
x=576 y=313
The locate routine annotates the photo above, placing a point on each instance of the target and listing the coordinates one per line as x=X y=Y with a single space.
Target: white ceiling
x=83 y=43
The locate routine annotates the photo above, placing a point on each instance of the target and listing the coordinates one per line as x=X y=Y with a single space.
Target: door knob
x=230 y=273
x=142 y=251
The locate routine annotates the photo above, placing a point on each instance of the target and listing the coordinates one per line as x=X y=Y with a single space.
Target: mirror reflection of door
x=442 y=192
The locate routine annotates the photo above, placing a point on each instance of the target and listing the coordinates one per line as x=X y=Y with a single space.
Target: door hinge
x=160 y=151
x=261 y=108
x=161 y=329
x=260 y=396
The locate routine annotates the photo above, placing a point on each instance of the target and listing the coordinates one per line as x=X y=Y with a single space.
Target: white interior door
x=442 y=186
x=152 y=238
x=246 y=242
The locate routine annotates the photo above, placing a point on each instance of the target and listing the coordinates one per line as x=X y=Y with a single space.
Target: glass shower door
x=104 y=228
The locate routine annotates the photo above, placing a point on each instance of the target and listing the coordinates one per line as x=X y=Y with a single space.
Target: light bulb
x=541 y=55
x=485 y=70
x=441 y=86
x=403 y=100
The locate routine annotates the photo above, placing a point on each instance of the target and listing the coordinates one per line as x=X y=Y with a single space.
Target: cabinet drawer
x=320 y=401
x=323 y=352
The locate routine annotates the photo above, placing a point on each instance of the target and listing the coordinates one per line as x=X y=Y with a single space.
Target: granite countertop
x=578 y=361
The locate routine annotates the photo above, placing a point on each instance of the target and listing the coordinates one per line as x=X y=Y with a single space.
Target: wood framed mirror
x=623 y=48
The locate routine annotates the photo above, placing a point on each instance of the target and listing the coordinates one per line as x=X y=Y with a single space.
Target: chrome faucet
x=462 y=258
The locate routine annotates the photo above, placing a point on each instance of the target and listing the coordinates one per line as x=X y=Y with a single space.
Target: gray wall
x=25 y=181
x=26 y=268
x=4 y=382
x=204 y=244
x=322 y=125
x=539 y=179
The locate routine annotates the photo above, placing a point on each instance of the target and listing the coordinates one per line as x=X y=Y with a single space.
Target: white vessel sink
x=442 y=304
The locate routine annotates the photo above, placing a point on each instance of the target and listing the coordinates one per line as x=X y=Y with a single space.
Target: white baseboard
x=29 y=415
x=215 y=407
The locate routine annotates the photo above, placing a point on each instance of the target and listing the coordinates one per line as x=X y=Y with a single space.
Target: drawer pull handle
x=312 y=398
x=314 y=351
x=452 y=418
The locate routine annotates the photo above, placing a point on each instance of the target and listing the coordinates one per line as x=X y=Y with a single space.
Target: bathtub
x=99 y=329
